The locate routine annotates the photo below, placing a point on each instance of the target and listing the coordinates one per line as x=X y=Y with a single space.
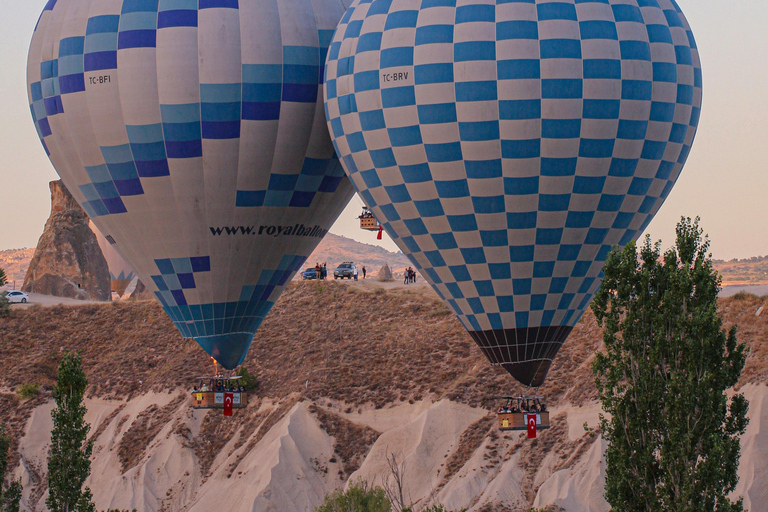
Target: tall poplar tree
x=69 y=462
x=673 y=434
x=10 y=497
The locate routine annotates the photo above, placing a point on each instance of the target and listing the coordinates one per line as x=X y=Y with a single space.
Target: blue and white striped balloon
x=507 y=145
x=192 y=133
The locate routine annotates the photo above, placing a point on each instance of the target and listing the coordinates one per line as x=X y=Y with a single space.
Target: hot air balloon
x=507 y=146
x=192 y=133
x=120 y=272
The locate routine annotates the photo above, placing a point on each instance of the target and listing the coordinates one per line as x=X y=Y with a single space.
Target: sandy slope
x=292 y=465
x=422 y=445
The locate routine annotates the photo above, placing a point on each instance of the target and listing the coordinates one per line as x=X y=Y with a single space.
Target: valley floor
x=348 y=375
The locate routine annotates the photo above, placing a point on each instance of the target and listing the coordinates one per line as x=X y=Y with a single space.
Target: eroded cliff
x=67 y=260
x=350 y=373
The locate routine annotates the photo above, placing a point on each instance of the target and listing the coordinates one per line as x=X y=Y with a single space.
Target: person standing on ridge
x=364 y=271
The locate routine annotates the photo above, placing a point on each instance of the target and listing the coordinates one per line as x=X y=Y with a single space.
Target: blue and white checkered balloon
x=193 y=135
x=507 y=145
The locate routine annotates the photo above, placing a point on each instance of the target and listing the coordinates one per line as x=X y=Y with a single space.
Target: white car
x=17 y=296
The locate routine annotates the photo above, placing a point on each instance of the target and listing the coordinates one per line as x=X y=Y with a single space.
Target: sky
x=725 y=181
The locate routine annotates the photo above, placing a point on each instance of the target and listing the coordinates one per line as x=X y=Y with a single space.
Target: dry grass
x=14 y=414
x=470 y=441
x=264 y=423
x=496 y=507
x=218 y=430
x=551 y=441
x=351 y=442
x=751 y=330
x=532 y=452
x=364 y=348
x=95 y=434
x=143 y=430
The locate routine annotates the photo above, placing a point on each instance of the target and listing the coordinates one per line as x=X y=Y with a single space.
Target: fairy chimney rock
x=385 y=274
x=68 y=261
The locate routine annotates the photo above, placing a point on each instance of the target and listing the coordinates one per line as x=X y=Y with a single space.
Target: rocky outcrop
x=153 y=453
x=385 y=274
x=68 y=261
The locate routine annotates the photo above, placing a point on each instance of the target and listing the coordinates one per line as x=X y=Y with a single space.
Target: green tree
x=673 y=434
x=69 y=462
x=249 y=381
x=360 y=497
x=5 y=305
x=10 y=497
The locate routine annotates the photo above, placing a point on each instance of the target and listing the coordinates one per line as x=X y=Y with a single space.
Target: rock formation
x=68 y=261
x=385 y=274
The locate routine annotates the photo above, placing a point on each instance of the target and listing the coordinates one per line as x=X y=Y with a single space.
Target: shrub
x=10 y=497
x=360 y=497
x=742 y=295
x=5 y=306
x=248 y=380
x=28 y=390
x=435 y=508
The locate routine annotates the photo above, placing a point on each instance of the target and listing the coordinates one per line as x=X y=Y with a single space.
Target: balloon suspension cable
x=537 y=370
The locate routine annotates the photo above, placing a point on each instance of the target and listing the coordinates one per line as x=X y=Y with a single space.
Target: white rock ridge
x=293 y=465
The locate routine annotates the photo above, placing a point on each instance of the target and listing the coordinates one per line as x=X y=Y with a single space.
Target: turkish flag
x=531 y=421
x=229 y=399
x=381 y=228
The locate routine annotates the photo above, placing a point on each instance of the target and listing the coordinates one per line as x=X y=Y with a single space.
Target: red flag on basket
x=229 y=400
x=381 y=228
x=531 y=420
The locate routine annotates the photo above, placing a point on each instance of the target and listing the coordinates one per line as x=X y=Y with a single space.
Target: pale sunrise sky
x=725 y=181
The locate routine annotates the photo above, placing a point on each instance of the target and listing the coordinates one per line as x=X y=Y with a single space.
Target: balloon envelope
x=507 y=146
x=120 y=272
x=191 y=132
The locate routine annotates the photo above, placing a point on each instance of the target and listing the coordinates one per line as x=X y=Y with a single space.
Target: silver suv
x=346 y=269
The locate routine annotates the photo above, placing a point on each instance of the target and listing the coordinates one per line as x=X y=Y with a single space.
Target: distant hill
x=749 y=271
x=334 y=249
x=15 y=263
